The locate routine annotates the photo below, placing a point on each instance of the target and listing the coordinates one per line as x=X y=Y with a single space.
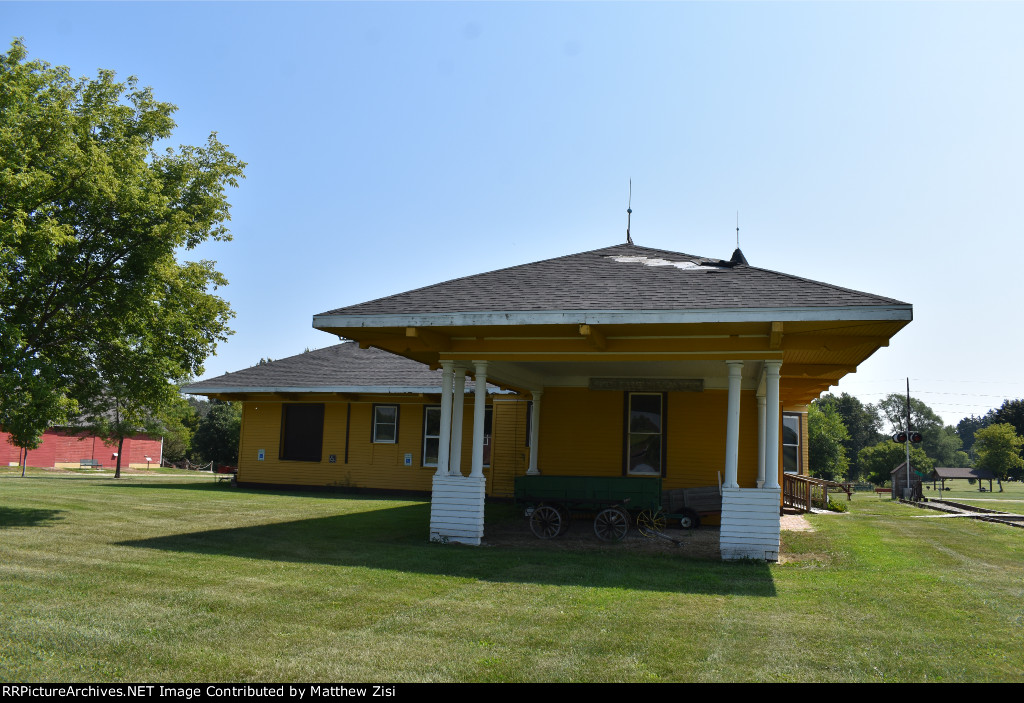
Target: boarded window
x=302 y=431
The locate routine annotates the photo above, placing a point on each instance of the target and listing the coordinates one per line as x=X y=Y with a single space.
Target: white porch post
x=446 y=419
x=534 y=433
x=771 y=459
x=479 y=410
x=732 y=427
x=760 y=440
x=455 y=463
x=457 y=501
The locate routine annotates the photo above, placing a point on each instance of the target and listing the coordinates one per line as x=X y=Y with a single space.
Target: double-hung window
x=791 y=443
x=645 y=422
x=431 y=434
x=385 y=424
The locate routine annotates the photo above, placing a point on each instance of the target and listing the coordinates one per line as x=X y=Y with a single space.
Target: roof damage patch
x=698 y=265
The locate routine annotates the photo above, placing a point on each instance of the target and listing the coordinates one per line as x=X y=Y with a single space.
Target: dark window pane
x=790 y=429
x=433 y=426
x=789 y=460
x=645 y=413
x=645 y=454
x=430 y=451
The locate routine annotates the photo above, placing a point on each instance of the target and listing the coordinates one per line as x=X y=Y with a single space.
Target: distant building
x=68 y=447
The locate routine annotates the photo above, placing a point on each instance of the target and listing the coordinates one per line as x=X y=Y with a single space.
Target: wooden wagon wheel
x=548 y=521
x=611 y=524
x=650 y=521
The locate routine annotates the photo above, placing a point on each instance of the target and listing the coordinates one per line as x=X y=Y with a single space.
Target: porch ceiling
x=815 y=353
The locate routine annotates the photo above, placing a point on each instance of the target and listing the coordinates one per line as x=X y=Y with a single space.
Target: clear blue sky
x=877 y=146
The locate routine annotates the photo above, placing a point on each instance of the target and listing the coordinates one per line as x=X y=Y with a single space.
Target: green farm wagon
x=617 y=502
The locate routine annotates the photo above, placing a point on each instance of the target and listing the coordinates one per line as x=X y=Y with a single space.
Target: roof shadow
x=27 y=517
x=394 y=538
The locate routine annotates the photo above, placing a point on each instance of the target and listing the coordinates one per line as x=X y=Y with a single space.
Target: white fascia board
x=377 y=390
x=619 y=317
x=205 y=390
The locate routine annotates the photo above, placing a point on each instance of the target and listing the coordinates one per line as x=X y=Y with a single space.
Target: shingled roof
x=342 y=368
x=623 y=277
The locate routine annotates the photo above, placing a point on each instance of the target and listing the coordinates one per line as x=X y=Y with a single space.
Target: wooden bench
x=90 y=463
x=225 y=473
x=883 y=490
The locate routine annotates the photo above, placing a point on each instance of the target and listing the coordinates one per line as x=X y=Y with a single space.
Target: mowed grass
x=1010 y=500
x=162 y=579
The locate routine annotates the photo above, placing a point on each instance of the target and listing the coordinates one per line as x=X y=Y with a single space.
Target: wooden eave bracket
x=431 y=338
x=775 y=339
x=595 y=338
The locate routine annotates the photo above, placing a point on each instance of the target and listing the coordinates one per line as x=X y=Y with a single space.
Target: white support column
x=479 y=410
x=760 y=440
x=534 y=433
x=446 y=419
x=771 y=458
x=459 y=403
x=732 y=427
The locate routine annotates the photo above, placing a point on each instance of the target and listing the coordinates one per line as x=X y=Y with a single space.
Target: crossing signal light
x=915 y=437
x=899 y=437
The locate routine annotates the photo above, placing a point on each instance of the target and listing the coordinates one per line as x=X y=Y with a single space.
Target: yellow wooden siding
x=581 y=433
x=374 y=465
x=510 y=457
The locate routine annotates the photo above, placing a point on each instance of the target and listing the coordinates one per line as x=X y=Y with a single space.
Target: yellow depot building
x=623 y=361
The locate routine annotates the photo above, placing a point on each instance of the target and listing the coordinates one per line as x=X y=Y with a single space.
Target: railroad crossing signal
x=901 y=437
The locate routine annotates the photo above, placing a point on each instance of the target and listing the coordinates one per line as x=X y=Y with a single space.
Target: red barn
x=64 y=447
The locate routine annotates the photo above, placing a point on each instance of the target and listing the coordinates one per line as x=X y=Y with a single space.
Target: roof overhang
x=616 y=317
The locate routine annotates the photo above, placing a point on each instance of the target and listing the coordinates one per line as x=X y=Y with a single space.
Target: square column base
x=457 y=509
x=750 y=523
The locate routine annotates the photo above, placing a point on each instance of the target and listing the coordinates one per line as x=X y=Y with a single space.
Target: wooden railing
x=802 y=492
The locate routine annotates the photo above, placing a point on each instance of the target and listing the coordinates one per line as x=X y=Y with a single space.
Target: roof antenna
x=629 y=212
x=737 y=256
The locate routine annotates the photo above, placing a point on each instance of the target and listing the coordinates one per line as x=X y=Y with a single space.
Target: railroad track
x=970 y=511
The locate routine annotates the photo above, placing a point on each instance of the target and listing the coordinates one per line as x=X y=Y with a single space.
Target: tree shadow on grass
x=204 y=485
x=394 y=539
x=27 y=517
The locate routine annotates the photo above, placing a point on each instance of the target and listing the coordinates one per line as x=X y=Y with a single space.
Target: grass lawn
x=166 y=579
x=1011 y=500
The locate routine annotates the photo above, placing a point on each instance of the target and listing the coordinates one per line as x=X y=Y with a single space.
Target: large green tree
x=940 y=443
x=998 y=447
x=216 y=438
x=878 y=461
x=92 y=215
x=826 y=434
x=862 y=422
x=968 y=426
x=1010 y=412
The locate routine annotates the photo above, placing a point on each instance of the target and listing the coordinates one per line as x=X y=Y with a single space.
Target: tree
x=940 y=443
x=966 y=428
x=91 y=217
x=998 y=447
x=878 y=461
x=826 y=434
x=216 y=438
x=862 y=422
x=1012 y=412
